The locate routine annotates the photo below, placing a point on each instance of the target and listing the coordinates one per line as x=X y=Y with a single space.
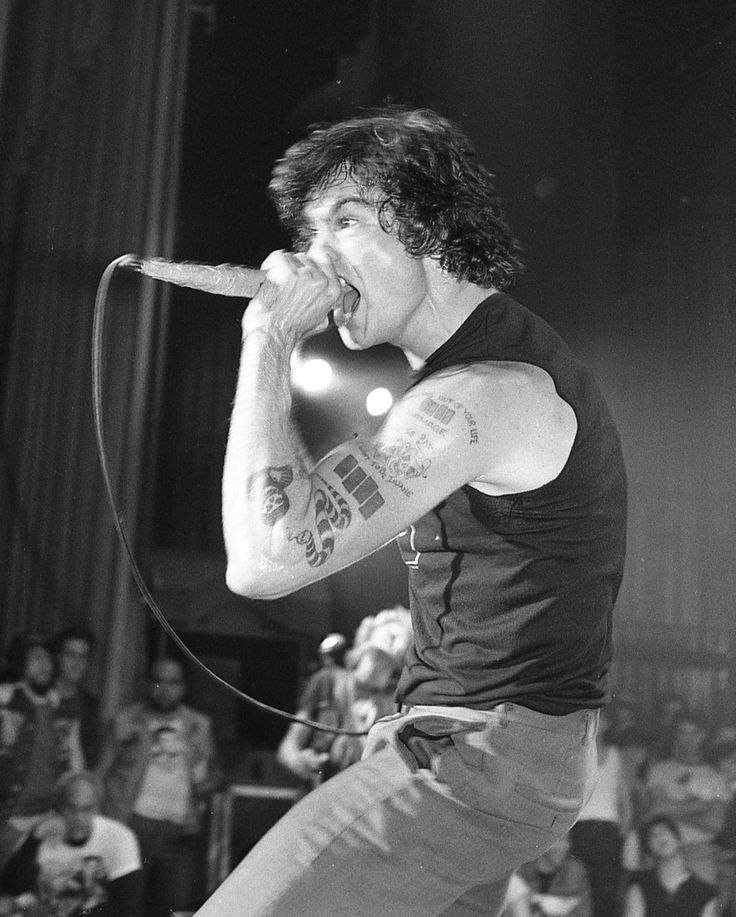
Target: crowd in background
x=99 y=822
x=658 y=836
x=109 y=822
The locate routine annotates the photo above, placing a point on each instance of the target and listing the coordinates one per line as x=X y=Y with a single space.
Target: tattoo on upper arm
x=400 y=461
x=273 y=482
x=437 y=410
x=360 y=485
x=331 y=513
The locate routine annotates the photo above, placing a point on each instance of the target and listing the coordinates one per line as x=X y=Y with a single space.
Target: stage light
x=312 y=375
x=379 y=402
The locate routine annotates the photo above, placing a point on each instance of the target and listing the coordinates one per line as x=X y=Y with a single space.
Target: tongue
x=350 y=301
x=344 y=312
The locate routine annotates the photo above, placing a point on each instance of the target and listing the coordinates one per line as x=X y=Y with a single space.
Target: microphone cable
x=98 y=323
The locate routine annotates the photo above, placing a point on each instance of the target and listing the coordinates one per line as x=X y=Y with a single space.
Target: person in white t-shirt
x=159 y=771
x=693 y=793
x=77 y=862
x=518 y=898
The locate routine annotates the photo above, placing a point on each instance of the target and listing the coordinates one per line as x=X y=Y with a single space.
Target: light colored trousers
x=444 y=805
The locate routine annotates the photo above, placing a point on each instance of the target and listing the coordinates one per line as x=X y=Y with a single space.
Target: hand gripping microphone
x=225 y=280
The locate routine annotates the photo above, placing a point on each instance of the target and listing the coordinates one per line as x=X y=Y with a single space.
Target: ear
x=442 y=285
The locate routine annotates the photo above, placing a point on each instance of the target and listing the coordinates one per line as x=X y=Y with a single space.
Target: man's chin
x=348 y=340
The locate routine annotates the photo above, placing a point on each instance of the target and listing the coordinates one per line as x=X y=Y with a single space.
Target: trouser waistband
x=580 y=722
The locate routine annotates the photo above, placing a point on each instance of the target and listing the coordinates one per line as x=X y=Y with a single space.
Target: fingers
x=285 y=268
x=298 y=294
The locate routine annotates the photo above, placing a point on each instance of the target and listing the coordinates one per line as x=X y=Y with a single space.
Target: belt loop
x=591 y=722
x=503 y=714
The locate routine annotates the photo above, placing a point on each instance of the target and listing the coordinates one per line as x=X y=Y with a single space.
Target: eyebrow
x=351 y=199
x=339 y=203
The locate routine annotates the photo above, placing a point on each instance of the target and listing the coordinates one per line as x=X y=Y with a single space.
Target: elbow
x=253 y=582
x=235 y=580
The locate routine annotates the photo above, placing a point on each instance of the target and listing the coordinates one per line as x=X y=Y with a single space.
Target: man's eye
x=344 y=222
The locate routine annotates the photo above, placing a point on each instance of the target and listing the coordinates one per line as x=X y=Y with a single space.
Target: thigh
x=409 y=830
x=364 y=843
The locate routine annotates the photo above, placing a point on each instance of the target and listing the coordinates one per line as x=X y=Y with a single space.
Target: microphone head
x=221 y=279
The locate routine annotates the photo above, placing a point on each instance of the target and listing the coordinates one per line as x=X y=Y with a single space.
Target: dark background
x=611 y=129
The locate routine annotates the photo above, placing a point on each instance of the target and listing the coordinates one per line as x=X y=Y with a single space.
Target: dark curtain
x=91 y=115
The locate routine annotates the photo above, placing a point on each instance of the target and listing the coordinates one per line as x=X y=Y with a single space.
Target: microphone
x=223 y=279
x=226 y=280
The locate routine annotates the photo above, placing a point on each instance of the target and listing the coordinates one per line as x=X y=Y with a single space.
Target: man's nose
x=321 y=246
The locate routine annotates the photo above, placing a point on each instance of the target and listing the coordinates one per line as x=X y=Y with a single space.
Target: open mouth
x=345 y=311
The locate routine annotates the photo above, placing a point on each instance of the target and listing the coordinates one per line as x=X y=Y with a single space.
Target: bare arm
x=295 y=754
x=288 y=523
x=634 y=902
x=624 y=803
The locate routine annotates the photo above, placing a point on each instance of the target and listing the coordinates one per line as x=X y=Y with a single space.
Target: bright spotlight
x=378 y=402
x=312 y=375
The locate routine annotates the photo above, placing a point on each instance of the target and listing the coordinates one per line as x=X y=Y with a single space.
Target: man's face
x=74 y=660
x=345 y=230
x=166 y=686
x=727 y=767
x=661 y=842
x=687 y=746
x=78 y=812
x=39 y=668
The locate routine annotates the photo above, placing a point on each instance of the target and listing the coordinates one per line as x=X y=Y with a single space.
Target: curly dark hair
x=432 y=191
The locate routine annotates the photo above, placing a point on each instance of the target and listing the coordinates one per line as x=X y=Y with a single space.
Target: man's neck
x=168 y=714
x=39 y=694
x=67 y=688
x=671 y=872
x=447 y=306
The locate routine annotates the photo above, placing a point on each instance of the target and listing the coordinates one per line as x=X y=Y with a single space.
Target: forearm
x=264 y=457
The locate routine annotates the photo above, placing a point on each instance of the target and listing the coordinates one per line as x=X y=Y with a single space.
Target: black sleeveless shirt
x=512 y=596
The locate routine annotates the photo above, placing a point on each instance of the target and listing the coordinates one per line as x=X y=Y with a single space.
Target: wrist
x=267 y=330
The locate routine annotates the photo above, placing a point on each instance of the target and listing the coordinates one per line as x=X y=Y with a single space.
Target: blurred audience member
x=724 y=760
x=693 y=793
x=518 y=898
x=597 y=837
x=77 y=862
x=158 y=767
x=305 y=751
x=632 y=740
x=558 y=882
x=719 y=734
x=669 y=708
x=667 y=888
x=39 y=741
x=375 y=660
x=73 y=652
x=365 y=695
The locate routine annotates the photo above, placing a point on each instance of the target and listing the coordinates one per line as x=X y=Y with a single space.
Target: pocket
x=503 y=781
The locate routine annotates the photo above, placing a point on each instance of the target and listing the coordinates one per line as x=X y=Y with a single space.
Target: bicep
x=485 y=423
x=364 y=492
